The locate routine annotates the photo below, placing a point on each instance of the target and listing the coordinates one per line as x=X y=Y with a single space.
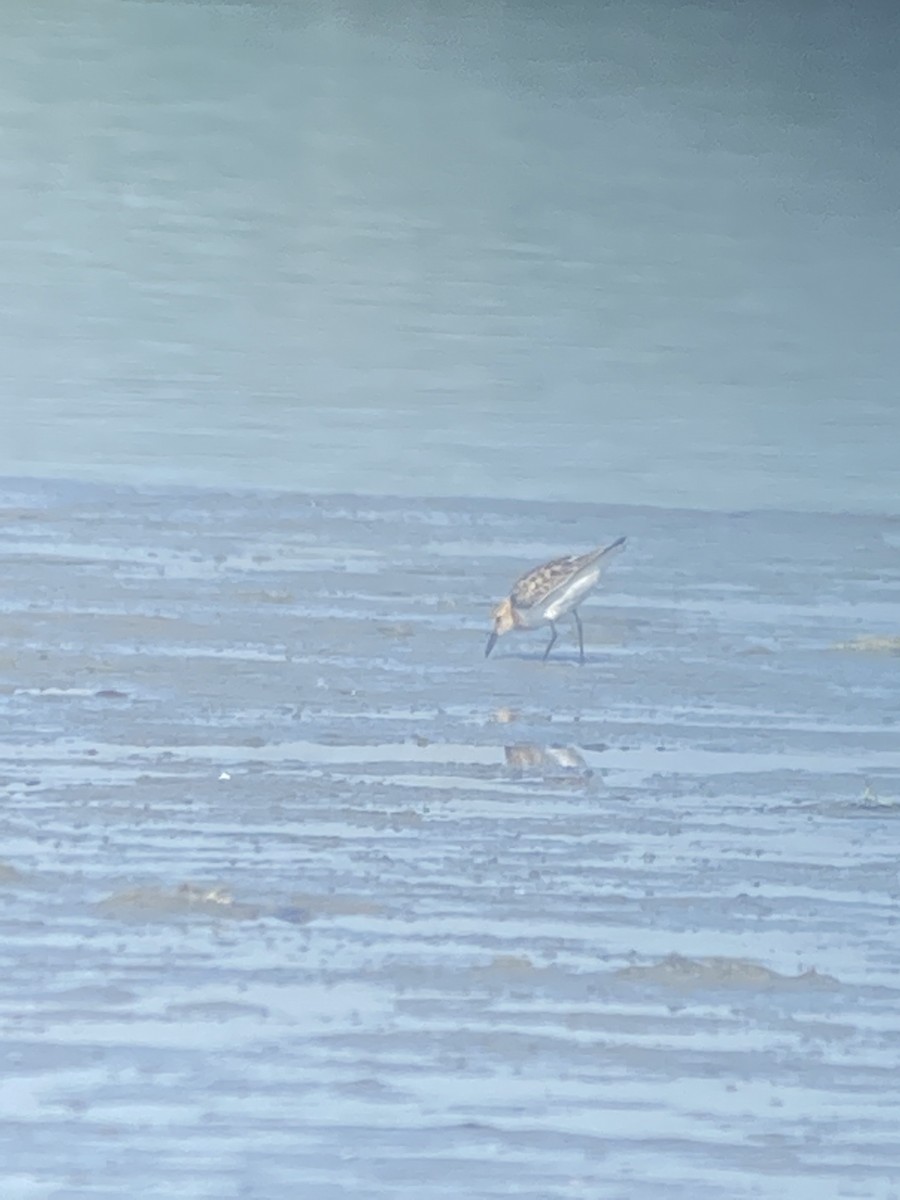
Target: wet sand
x=303 y=897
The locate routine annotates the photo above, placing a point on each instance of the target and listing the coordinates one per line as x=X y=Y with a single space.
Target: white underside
x=561 y=602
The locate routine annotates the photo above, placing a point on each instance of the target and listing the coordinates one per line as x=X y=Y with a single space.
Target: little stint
x=550 y=591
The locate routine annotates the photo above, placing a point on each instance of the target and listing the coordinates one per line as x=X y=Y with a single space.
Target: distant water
x=612 y=253
x=630 y=253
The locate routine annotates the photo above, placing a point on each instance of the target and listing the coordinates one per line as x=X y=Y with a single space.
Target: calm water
x=622 y=253
x=299 y=896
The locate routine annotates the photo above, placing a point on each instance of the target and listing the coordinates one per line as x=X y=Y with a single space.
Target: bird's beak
x=491 y=643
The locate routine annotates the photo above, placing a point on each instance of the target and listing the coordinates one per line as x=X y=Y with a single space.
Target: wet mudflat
x=300 y=896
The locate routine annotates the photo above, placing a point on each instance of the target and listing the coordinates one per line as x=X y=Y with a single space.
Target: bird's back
x=550 y=590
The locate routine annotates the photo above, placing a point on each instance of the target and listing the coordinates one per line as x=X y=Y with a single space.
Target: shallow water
x=300 y=892
x=300 y=896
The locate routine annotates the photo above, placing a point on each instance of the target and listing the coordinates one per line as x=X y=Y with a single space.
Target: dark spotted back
x=544 y=580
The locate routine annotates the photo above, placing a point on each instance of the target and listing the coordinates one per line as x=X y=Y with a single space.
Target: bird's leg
x=552 y=640
x=580 y=635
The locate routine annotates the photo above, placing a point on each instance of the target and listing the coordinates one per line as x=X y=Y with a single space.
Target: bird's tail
x=611 y=550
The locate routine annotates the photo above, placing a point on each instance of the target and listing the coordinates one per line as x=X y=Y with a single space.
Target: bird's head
x=504 y=620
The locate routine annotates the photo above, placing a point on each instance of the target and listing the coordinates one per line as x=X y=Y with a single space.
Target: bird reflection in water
x=527 y=757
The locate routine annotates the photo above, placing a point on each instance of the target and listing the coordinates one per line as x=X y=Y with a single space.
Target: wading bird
x=550 y=591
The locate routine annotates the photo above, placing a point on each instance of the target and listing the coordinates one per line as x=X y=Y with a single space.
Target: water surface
x=629 y=253
x=301 y=892
x=300 y=895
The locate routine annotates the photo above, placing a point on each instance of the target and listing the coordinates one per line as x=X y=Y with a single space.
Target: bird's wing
x=540 y=584
x=544 y=582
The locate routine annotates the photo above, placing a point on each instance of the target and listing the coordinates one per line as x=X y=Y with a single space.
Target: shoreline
x=501 y=504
